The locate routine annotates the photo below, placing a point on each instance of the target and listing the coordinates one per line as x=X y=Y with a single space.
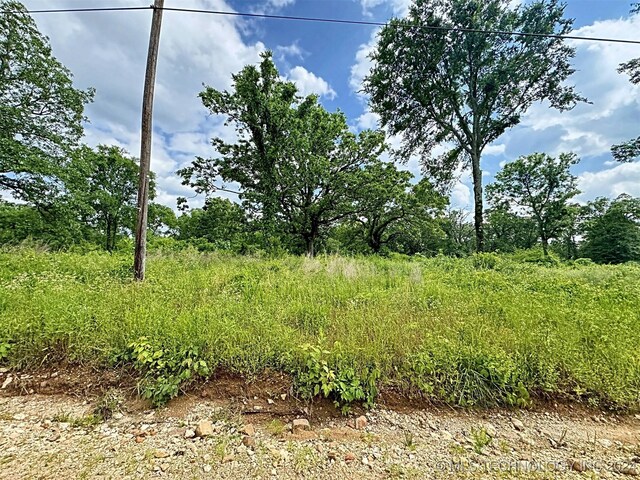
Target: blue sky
x=108 y=50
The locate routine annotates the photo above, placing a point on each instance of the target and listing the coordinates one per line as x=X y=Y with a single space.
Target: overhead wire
x=331 y=20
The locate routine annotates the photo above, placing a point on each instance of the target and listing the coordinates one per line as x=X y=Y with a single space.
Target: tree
x=103 y=184
x=627 y=151
x=540 y=186
x=507 y=232
x=612 y=230
x=438 y=79
x=295 y=163
x=459 y=233
x=220 y=222
x=388 y=205
x=259 y=107
x=41 y=113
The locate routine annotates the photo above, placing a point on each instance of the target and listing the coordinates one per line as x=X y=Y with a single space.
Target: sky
x=107 y=51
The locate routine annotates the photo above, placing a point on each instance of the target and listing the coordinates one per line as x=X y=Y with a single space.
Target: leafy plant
x=165 y=371
x=108 y=404
x=480 y=438
x=5 y=348
x=343 y=385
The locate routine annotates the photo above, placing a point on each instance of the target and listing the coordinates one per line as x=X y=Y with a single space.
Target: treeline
x=303 y=182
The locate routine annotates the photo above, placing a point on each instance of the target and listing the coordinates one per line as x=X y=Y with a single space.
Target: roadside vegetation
x=483 y=330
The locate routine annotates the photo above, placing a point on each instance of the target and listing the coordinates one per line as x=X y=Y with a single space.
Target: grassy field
x=478 y=331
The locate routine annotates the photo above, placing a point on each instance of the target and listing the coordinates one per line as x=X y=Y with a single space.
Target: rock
x=606 y=443
x=3 y=370
x=228 y=458
x=349 y=457
x=248 y=429
x=204 y=429
x=248 y=442
x=365 y=460
x=139 y=439
x=283 y=396
x=270 y=402
x=299 y=425
x=206 y=468
x=332 y=455
x=164 y=467
x=517 y=424
x=54 y=437
x=446 y=436
x=629 y=470
x=161 y=454
x=361 y=422
x=491 y=430
x=577 y=465
x=189 y=433
x=7 y=382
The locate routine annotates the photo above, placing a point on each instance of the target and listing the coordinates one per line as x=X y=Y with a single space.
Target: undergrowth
x=486 y=330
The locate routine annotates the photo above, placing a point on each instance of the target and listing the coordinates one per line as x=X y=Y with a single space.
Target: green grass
x=482 y=330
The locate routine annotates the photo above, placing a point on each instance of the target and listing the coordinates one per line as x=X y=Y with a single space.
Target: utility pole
x=145 y=142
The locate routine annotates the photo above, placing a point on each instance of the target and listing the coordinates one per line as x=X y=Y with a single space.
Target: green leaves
x=41 y=113
x=541 y=187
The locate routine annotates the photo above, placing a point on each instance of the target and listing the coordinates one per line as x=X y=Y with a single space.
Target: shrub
x=164 y=371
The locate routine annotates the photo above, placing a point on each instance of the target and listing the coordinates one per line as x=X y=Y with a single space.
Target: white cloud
x=363 y=63
x=460 y=196
x=399 y=7
x=495 y=149
x=292 y=50
x=368 y=120
x=611 y=182
x=108 y=51
x=308 y=83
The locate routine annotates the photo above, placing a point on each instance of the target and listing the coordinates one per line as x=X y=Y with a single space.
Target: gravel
x=46 y=437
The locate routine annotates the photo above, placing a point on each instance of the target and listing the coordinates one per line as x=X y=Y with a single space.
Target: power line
x=336 y=21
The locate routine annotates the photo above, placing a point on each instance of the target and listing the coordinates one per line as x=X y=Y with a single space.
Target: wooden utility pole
x=145 y=142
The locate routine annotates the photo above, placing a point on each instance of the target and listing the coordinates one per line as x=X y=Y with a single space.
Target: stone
x=299 y=425
x=332 y=455
x=270 y=402
x=161 y=453
x=491 y=430
x=365 y=460
x=283 y=396
x=139 y=439
x=228 y=458
x=204 y=429
x=248 y=429
x=517 y=424
x=207 y=468
x=361 y=422
x=7 y=382
x=189 y=433
x=605 y=443
x=349 y=457
x=248 y=442
x=629 y=470
x=446 y=436
x=577 y=465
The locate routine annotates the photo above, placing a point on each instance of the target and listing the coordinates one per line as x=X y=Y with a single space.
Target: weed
x=5 y=348
x=480 y=439
x=108 y=404
x=409 y=441
x=90 y=420
x=276 y=427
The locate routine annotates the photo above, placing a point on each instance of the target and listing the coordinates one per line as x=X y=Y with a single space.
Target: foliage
x=342 y=384
x=613 y=230
x=541 y=186
x=466 y=88
x=297 y=165
x=627 y=151
x=507 y=231
x=41 y=113
x=164 y=370
x=441 y=326
x=5 y=348
x=480 y=438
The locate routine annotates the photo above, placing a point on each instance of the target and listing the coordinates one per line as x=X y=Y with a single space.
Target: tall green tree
x=627 y=151
x=390 y=208
x=297 y=165
x=612 y=230
x=103 y=184
x=506 y=231
x=259 y=107
x=41 y=113
x=539 y=186
x=440 y=79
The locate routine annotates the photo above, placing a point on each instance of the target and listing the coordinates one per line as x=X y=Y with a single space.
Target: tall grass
x=485 y=329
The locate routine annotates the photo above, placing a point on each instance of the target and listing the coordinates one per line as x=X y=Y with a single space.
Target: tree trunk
x=477 y=200
x=545 y=245
x=309 y=245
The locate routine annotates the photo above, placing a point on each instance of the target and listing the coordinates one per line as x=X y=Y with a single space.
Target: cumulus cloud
x=398 y=7
x=611 y=182
x=292 y=50
x=360 y=69
x=308 y=83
